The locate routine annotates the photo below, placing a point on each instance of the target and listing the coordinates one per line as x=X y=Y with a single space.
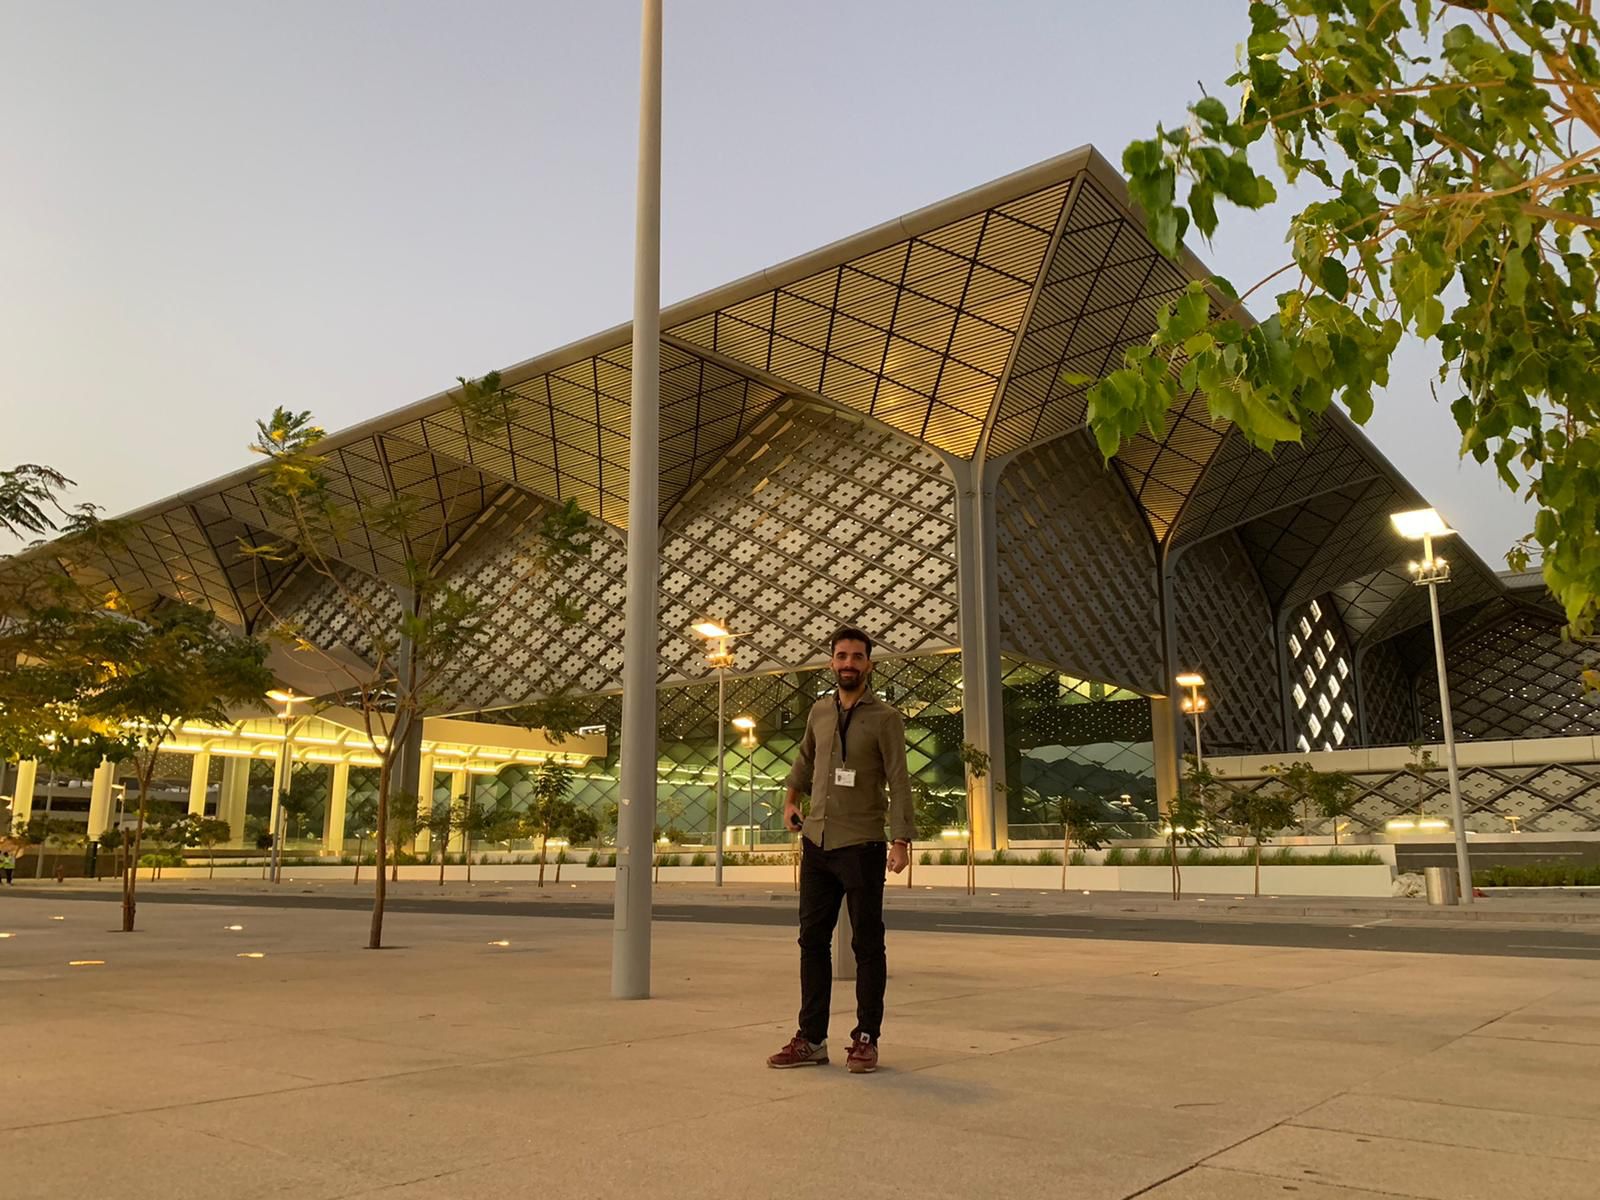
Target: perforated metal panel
x=1077 y=567
x=916 y=335
x=1098 y=295
x=1513 y=677
x=1225 y=633
x=1386 y=694
x=816 y=522
x=1322 y=684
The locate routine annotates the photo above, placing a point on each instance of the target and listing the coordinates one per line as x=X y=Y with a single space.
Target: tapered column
x=199 y=781
x=425 y=779
x=338 y=794
x=22 y=794
x=983 y=724
x=233 y=796
x=100 y=798
x=460 y=786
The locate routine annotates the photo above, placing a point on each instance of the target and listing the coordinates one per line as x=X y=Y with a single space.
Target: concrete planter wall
x=1366 y=880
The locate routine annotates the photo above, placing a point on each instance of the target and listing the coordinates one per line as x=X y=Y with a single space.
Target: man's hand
x=792 y=820
x=899 y=857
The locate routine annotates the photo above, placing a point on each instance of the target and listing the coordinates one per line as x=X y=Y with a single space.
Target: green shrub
x=1194 y=857
x=699 y=860
x=947 y=858
x=925 y=858
x=611 y=859
x=1144 y=856
x=999 y=859
x=160 y=859
x=1555 y=873
x=1116 y=857
x=1077 y=858
x=594 y=859
x=1048 y=858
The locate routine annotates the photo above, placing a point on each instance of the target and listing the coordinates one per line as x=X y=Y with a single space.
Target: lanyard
x=846 y=715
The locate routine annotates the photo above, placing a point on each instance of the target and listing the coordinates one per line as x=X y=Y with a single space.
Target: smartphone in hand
x=796 y=822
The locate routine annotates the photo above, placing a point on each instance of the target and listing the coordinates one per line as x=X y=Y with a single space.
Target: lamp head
x=744 y=723
x=710 y=629
x=1420 y=523
x=1190 y=679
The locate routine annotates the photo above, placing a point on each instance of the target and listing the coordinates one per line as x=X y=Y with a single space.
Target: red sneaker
x=800 y=1053
x=863 y=1056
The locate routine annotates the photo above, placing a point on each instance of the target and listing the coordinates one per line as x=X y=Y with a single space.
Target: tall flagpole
x=636 y=801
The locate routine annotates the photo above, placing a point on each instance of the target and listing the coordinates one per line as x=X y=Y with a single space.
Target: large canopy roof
x=950 y=327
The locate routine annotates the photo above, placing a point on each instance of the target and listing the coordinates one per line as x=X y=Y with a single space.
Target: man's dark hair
x=849 y=633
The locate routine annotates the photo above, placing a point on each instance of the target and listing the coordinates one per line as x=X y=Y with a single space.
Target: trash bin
x=1441 y=885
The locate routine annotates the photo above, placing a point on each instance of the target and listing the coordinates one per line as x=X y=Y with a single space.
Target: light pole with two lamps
x=1194 y=704
x=1423 y=525
x=746 y=725
x=721 y=658
x=288 y=699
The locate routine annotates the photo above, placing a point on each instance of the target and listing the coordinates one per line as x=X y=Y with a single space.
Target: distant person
x=8 y=865
x=852 y=763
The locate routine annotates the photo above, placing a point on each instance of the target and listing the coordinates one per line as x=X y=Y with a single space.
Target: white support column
x=979 y=622
x=22 y=794
x=100 y=798
x=338 y=794
x=199 y=779
x=233 y=795
x=425 y=783
x=460 y=785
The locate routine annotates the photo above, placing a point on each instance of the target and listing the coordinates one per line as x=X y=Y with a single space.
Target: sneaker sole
x=810 y=1062
x=861 y=1070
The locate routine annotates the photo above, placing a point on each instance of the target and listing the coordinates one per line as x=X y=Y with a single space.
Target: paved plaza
x=481 y=1056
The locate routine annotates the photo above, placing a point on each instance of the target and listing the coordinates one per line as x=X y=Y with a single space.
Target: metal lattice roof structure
x=948 y=330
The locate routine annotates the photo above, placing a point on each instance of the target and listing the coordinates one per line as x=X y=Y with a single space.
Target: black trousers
x=855 y=875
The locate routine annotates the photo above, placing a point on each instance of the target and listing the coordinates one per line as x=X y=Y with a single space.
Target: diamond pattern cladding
x=916 y=335
x=1077 y=568
x=1225 y=633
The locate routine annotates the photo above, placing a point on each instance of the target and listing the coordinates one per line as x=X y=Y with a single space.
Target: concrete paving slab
x=1406 y=1168
x=1448 y=1124
x=1210 y=1183
x=1557 y=1079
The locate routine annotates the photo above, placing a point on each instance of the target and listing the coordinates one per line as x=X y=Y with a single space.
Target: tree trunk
x=466 y=845
x=561 y=854
x=1177 y=875
x=1258 y=868
x=130 y=878
x=541 y=859
x=375 y=935
x=1066 y=853
x=212 y=855
x=444 y=847
x=1335 y=830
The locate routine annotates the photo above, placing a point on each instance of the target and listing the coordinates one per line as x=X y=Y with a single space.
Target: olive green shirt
x=876 y=751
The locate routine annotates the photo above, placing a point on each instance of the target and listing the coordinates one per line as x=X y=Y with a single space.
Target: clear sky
x=210 y=209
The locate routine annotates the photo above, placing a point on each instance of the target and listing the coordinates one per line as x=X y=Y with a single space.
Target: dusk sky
x=211 y=209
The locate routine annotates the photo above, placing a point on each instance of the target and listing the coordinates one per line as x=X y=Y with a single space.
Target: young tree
x=441 y=825
x=362 y=817
x=580 y=826
x=175 y=665
x=549 y=810
x=1335 y=795
x=1263 y=815
x=1080 y=826
x=429 y=625
x=1191 y=821
x=209 y=833
x=401 y=829
x=1448 y=150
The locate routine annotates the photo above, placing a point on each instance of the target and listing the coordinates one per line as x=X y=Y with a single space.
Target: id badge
x=844 y=777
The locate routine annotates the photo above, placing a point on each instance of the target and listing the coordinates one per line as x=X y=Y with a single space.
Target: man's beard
x=848 y=680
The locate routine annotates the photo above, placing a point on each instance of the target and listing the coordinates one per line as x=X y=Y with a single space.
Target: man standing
x=852 y=763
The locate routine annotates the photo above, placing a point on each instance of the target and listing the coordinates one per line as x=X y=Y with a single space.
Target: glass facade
x=1063 y=734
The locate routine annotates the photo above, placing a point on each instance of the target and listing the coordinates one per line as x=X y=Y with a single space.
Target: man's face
x=850 y=664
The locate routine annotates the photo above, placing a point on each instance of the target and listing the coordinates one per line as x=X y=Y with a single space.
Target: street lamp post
x=285 y=777
x=721 y=658
x=1425 y=524
x=1194 y=704
x=747 y=726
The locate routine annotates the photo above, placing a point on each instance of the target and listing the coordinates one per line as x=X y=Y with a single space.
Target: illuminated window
x=1324 y=716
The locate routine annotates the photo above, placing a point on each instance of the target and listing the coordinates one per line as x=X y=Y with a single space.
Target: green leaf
x=1334 y=278
x=1430 y=315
